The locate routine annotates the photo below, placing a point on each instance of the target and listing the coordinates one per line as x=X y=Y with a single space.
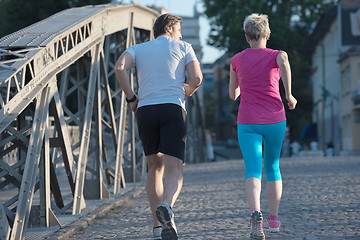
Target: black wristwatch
x=131 y=100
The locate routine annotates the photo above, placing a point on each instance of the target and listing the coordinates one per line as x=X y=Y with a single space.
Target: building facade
x=225 y=117
x=190 y=30
x=350 y=101
x=335 y=79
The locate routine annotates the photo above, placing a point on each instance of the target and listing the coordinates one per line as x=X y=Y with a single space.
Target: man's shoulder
x=184 y=43
x=140 y=45
x=181 y=45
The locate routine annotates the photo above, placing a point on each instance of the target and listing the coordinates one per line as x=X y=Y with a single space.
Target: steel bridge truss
x=66 y=133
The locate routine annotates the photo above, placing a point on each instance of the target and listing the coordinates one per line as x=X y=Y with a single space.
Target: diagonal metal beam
x=119 y=172
x=108 y=97
x=10 y=170
x=39 y=59
x=103 y=191
x=32 y=161
x=63 y=134
x=4 y=224
x=79 y=203
x=30 y=91
x=19 y=134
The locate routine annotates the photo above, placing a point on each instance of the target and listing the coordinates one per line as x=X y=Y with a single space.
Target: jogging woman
x=254 y=76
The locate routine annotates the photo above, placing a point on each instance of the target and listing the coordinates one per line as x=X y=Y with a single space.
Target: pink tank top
x=258 y=77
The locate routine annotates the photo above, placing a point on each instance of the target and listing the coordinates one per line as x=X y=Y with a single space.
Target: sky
x=185 y=8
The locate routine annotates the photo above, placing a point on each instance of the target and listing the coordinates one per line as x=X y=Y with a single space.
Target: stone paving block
x=321 y=201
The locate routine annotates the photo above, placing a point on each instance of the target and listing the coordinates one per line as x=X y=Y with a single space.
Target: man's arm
x=123 y=64
x=195 y=78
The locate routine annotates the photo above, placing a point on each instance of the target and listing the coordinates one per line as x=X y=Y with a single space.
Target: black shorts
x=162 y=128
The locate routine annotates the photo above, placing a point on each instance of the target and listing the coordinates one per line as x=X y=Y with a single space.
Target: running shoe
x=274 y=225
x=256 y=226
x=166 y=217
x=157 y=233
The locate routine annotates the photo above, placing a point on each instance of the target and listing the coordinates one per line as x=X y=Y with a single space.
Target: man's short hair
x=256 y=26
x=164 y=21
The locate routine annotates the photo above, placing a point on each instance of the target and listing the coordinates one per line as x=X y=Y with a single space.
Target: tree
x=79 y=3
x=17 y=14
x=209 y=105
x=290 y=23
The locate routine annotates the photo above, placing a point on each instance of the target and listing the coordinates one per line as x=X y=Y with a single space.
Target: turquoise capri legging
x=251 y=137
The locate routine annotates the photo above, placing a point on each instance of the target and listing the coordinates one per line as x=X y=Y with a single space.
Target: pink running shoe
x=256 y=226
x=274 y=225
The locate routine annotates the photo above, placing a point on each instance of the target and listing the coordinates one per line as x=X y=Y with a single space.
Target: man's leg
x=172 y=186
x=173 y=179
x=154 y=183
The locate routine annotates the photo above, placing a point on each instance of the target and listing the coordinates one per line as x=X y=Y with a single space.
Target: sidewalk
x=321 y=200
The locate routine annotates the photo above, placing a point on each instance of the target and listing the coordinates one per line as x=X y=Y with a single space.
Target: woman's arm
x=234 y=89
x=284 y=65
x=123 y=64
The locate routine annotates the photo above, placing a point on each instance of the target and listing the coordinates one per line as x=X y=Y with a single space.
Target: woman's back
x=258 y=78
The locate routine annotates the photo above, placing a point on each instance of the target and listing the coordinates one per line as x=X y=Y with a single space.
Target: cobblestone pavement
x=321 y=200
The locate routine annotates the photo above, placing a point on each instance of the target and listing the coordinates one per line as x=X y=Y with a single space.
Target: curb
x=86 y=220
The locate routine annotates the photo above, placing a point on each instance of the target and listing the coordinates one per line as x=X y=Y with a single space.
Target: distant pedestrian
x=160 y=112
x=209 y=146
x=254 y=76
x=295 y=148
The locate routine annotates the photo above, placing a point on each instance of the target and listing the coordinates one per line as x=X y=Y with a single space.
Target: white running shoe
x=157 y=233
x=166 y=217
x=256 y=226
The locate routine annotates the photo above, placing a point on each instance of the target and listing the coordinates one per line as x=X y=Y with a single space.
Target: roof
x=354 y=51
x=321 y=29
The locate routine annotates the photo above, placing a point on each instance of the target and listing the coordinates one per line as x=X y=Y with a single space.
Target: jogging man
x=160 y=112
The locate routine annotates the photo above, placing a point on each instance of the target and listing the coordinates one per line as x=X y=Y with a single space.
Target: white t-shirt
x=161 y=70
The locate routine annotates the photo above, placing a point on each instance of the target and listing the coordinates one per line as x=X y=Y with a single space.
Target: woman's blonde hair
x=256 y=26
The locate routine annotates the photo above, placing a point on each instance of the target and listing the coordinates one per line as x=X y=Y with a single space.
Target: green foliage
x=79 y=3
x=290 y=24
x=17 y=14
x=209 y=110
x=290 y=21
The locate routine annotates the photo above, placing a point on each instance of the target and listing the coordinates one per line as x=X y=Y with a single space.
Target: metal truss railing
x=63 y=118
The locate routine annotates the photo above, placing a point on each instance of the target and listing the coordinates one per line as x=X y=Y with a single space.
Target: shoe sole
x=168 y=230
x=257 y=237
x=274 y=230
x=257 y=220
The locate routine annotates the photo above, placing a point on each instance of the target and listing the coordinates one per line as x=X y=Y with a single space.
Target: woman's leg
x=253 y=190
x=251 y=148
x=274 y=192
x=273 y=138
